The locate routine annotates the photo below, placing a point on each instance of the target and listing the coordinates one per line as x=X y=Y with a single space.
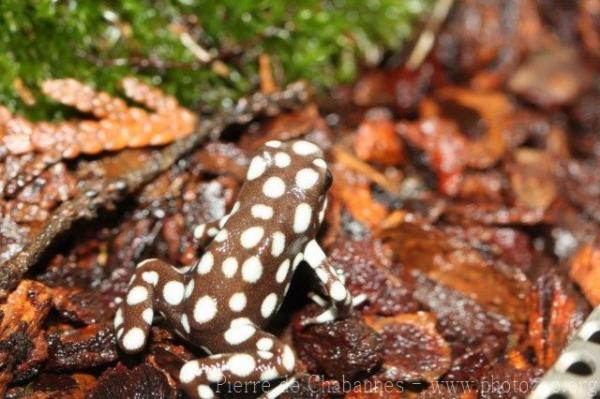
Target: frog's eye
x=328 y=180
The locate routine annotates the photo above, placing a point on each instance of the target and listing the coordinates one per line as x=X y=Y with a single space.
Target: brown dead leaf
x=351 y=162
x=413 y=350
x=589 y=25
x=355 y=193
x=345 y=348
x=445 y=147
x=585 y=271
x=532 y=178
x=458 y=266
x=551 y=78
x=285 y=126
x=494 y=109
x=23 y=314
x=489 y=213
x=556 y=312
x=376 y=139
x=368 y=271
x=82 y=348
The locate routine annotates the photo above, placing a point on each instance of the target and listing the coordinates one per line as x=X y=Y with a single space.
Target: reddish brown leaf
x=343 y=349
x=445 y=147
x=369 y=272
x=456 y=265
x=377 y=141
x=413 y=349
x=142 y=381
x=355 y=193
x=556 y=312
x=462 y=322
x=82 y=348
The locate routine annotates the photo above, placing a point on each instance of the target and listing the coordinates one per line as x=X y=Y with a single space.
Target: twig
x=199 y=52
x=106 y=193
x=202 y=55
x=426 y=39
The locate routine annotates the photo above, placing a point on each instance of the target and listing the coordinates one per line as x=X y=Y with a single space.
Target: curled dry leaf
x=585 y=271
x=413 y=350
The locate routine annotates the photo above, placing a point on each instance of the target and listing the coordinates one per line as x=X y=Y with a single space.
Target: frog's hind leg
x=251 y=356
x=155 y=285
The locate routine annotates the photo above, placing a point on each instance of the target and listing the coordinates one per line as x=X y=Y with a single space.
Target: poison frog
x=224 y=302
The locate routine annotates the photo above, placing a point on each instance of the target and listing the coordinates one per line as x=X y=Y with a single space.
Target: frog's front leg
x=250 y=355
x=155 y=285
x=341 y=299
x=204 y=233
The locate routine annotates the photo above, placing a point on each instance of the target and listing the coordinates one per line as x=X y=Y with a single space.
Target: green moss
x=102 y=41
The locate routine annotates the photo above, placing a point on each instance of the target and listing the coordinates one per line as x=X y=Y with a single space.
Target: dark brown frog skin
x=223 y=302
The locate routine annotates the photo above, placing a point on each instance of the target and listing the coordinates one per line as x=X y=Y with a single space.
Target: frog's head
x=292 y=179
